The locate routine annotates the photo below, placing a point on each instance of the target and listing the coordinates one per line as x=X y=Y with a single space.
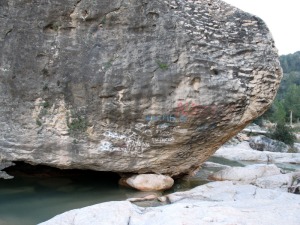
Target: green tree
x=279 y=113
x=283 y=133
x=292 y=100
x=290 y=62
x=288 y=95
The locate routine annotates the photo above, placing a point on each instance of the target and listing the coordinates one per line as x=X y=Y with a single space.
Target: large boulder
x=263 y=143
x=129 y=85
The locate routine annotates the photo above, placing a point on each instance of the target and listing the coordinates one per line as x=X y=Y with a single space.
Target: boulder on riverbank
x=130 y=86
x=219 y=203
x=263 y=143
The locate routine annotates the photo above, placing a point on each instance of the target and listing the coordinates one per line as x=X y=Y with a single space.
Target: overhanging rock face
x=129 y=85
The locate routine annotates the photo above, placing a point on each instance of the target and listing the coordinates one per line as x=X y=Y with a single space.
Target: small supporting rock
x=150 y=182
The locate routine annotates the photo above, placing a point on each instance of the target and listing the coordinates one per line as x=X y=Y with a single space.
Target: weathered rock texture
x=129 y=85
x=150 y=182
x=248 y=173
x=243 y=152
x=218 y=203
x=263 y=143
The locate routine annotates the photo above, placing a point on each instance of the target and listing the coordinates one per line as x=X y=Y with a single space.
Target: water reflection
x=33 y=197
x=40 y=193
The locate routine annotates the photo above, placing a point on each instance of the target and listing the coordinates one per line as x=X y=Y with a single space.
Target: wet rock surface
x=129 y=85
x=213 y=203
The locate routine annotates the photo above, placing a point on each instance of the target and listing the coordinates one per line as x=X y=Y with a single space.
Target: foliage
x=279 y=113
x=283 y=133
x=38 y=122
x=76 y=124
x=46 y=104
x=45 y=87
x=288 y=80
x=287 y=99
x=162 y=65
x=293 y=150
x=107 y=65
x=292 y=100
x=258 y=121
x=296 y=129
x=103 y=21
x=290 y=62
x=54 y=26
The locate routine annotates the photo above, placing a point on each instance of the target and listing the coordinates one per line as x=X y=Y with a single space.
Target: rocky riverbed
x=146 y=89
x=243 y=152
x=256 y=194
x=237 y=172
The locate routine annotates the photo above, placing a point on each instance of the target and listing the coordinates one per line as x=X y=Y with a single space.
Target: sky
x=281 y=16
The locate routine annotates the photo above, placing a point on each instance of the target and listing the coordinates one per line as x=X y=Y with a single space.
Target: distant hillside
x=291 y=68
x=288 y=95
x=290 y=62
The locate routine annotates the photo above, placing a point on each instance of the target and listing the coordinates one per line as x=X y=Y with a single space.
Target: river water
x=34 y=197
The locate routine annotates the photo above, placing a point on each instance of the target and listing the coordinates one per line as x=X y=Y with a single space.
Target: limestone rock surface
x=134 y=86
x=243 y=152
x=263 y=143
x=281 y=181
x=218 y=203
x=150 y=182
x=248 y=173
